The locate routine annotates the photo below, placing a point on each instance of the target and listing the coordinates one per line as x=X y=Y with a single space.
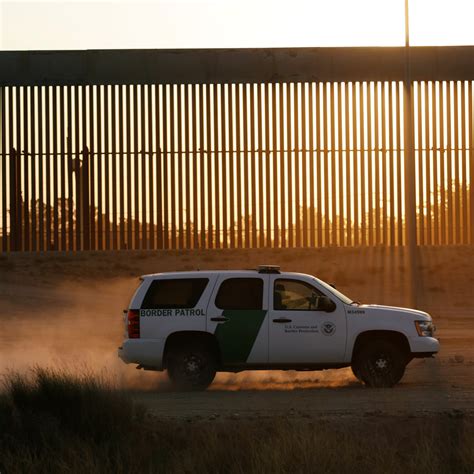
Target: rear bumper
x=423 y=346
x=146 y=352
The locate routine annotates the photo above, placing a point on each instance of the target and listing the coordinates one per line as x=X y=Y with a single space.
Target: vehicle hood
x=376 y=308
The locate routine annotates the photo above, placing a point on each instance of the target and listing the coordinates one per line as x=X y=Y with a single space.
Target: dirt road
x=430 y=387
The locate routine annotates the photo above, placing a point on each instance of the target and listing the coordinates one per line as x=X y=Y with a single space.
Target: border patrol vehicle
x=193 y=324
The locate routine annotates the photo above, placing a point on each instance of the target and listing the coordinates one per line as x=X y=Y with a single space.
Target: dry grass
x=56 y=422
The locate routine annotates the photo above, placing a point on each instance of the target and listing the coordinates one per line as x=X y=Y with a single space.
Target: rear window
x=240 y=293
x=176 y=293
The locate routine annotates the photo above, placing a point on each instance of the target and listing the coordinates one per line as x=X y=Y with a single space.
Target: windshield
x=335 y=292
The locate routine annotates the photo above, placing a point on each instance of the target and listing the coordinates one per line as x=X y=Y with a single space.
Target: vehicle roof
x=201 y=273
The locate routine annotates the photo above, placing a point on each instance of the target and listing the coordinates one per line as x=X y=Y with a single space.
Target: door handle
x=282 y=320
x=220 y=319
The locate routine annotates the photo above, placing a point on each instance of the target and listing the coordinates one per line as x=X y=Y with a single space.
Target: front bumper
x=423 y=346
x=146 y=352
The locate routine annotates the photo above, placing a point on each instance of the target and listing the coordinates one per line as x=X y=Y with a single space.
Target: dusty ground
x=66 y=310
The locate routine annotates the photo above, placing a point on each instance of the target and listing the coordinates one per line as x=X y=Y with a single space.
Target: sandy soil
x=66 y=310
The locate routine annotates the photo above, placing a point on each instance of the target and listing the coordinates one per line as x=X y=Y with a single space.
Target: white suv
x=196 y=323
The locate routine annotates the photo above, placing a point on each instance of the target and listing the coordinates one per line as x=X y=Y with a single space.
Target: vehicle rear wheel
x=192 y=367
x=380 y=364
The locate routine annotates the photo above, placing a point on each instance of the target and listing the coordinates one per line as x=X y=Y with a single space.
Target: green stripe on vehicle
x=237 y=336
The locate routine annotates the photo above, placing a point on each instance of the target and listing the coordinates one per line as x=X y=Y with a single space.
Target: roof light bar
x=268 y=269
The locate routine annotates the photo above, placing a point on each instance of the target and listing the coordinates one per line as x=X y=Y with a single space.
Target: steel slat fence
x=290 y=164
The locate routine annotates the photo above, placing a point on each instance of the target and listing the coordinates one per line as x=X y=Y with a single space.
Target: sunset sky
x=230 y=23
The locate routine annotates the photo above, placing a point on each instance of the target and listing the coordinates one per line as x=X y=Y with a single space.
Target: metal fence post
x=410 y=201
x=85 y=208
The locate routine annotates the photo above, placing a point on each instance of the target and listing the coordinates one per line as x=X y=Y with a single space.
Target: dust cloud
x=283 y=380
x=73 y=326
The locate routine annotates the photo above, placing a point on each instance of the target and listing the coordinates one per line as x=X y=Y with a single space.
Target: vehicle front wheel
x=192 y=367
x=380 y=364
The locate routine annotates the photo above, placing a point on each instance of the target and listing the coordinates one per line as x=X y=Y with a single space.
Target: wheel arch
x=366 y=337
x=179 y=338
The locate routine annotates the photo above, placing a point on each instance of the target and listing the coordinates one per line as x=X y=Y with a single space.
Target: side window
x=178 y=293
x=295 y=295
x=240 y=293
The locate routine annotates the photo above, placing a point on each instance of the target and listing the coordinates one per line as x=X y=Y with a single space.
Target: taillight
x=133 y=317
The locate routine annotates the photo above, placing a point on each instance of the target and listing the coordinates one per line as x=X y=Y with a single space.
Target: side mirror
x=326 y=304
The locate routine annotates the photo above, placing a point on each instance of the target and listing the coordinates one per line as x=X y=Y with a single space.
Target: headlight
x=424 y=328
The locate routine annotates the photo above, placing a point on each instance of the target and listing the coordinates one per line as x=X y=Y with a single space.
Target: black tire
x=191 y=367
x=356 y=372
x=380 y=364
